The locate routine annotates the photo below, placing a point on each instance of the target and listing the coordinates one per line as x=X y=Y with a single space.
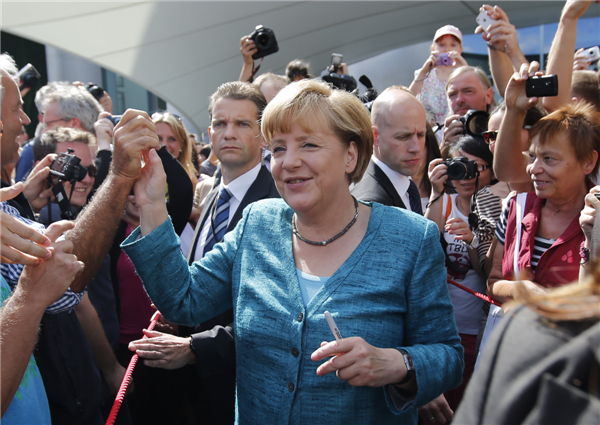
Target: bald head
x=399 y=126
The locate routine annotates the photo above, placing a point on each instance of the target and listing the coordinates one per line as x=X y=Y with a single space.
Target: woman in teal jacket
x=378 y=270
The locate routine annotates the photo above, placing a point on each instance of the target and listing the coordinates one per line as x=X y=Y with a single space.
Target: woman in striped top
x=563 y=154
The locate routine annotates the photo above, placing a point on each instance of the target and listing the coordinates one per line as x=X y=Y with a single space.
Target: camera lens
x=263 y=40
x=456 y=171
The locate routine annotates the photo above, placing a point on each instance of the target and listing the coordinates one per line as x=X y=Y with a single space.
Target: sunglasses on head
x=489 y=137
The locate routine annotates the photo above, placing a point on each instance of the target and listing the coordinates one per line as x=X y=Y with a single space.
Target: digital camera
x=475 y=122
x=542 y=86
x=444 y=59
x=265 y=41
x=95 y=90
x=67 y=167
x=461 y=168
x=28 y=76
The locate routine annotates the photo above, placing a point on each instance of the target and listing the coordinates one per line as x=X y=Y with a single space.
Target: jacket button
x=300 y=317
x=291 y=387
x=295 y=352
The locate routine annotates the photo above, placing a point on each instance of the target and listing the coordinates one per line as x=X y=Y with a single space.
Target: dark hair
x=473 y=145
x=205 y=151
x=238 y=90
x=433 y=151
x=297 y=68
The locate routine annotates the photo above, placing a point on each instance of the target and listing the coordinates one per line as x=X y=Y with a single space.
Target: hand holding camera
x=527 y=85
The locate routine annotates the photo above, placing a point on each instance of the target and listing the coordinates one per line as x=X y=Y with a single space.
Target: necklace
x=295 y=230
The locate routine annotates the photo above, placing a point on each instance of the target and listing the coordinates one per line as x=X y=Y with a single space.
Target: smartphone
x=592 y=54
x=484 y=20
x=542 y=86
x=444 y=59
x=336 y=59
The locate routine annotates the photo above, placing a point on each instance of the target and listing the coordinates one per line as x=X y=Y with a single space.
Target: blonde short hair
x=314 y=106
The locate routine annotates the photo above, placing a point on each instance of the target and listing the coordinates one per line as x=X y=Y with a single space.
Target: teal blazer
x=391 y=291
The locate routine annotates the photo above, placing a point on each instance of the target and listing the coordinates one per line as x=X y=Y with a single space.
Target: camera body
x=67 y=167
x=542 y=86
x=95 y=90
x=461 y=168
x=266 y=43
x=28 y=76
x=114 y=119
x=444 y=59
x=475 y=122
x=592 y=54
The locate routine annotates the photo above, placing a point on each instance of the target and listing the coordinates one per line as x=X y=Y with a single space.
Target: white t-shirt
x=467 y=307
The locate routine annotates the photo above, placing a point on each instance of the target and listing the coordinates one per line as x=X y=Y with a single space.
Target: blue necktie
x=415 y=198
x=219 y=220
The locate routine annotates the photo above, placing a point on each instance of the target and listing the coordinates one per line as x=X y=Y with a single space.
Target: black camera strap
x=474 y=214
x=255 y=70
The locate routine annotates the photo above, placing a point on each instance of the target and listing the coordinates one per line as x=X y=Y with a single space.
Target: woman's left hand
x=358 y=362
x=460 y=229
x=588 y=213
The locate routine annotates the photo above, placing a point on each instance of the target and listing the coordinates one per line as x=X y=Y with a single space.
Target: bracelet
x=431 y=202
x=492 y=47
x=421 y=79
x=584 y=253
x=192 y=346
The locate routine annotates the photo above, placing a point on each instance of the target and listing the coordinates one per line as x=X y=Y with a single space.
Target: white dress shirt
x=399 y=181
x=238 y=189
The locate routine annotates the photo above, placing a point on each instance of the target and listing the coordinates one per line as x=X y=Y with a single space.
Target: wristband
x=584 y=253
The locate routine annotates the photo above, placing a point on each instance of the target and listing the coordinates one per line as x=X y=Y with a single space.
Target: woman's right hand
x=588 y=213
x=515 y=96
x=438 y=174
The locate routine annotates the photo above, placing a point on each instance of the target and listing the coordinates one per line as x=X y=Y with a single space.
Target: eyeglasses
x=482 y=167
x=489 y=137
x=47 y=124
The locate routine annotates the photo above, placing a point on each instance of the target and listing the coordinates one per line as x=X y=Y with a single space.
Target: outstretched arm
x=247 y=48
x=20 y=317
x=560 y=58
x=97 y=224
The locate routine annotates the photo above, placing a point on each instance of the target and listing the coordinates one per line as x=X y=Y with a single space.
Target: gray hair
x=73 y=102
x=8 y=65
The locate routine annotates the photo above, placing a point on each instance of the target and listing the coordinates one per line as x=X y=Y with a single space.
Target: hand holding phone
x=484 y=20
x=542 y=86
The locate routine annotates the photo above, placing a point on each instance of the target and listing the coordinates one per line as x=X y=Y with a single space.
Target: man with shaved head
x=399 y=126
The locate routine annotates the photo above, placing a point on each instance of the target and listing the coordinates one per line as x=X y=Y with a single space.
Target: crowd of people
x=409 y=223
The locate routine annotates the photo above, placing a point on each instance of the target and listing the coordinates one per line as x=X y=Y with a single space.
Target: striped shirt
x=540 y=245
x=12 y=272
x=489 y=207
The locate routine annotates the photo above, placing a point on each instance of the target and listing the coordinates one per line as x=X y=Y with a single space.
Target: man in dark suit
x=235 y=110
x=399 y=125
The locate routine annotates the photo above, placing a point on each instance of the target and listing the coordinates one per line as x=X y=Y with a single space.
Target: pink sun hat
x=448 y=30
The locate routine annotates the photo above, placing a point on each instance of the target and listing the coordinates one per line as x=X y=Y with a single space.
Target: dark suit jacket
x=214 y=343
x=375 y=186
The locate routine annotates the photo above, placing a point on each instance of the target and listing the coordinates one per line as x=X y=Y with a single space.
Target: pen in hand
x=333 y=326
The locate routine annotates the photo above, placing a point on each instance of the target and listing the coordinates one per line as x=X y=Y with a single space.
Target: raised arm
x=510 y=161
x=560 y=58
x=97 y=224
x=504 y=51
x=438 y=175
x=247 y=48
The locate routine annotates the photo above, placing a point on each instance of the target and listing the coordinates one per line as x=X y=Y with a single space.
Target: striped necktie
x=219 y=221
x=415 y=198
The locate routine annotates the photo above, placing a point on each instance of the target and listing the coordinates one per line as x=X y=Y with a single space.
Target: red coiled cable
x=127 y=378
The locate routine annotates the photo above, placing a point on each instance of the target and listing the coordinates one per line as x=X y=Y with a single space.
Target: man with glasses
x=60 y=105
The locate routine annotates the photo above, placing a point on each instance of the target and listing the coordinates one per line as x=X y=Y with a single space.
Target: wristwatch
x=475 y=242
x=410 y=368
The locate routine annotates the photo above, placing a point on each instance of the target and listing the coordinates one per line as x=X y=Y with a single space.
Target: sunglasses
x=489 y=137
x=92 y=170
x=160 y=114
